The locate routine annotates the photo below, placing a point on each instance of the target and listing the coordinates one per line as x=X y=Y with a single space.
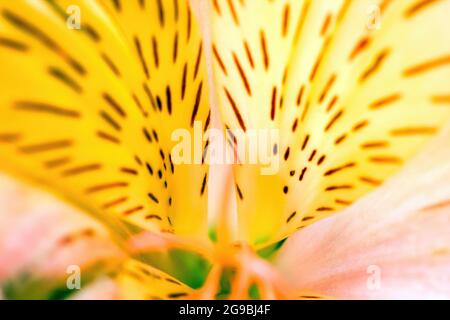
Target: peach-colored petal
x=44 y=235
x=394 y=243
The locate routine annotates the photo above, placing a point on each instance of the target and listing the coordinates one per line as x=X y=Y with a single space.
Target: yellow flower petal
x=354 y=89
x=88 y=113
x=142 y=282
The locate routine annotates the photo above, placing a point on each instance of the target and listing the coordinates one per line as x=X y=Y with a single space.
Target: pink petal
x=41 y=233
x=393 y=243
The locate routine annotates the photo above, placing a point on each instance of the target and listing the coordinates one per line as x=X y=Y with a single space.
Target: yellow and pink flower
x=94 y=206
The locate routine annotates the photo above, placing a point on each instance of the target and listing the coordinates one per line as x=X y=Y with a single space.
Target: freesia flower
x=93 y=91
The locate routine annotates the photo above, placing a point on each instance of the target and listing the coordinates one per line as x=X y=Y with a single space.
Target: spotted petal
x=392 y=244
x=88 y=113
x=142 y=282
x=354 y=89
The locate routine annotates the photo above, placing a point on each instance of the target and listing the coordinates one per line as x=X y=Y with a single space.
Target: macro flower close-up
x=224 y=149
